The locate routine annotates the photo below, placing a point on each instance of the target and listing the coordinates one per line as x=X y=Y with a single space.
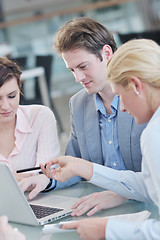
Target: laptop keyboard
x=42 y=211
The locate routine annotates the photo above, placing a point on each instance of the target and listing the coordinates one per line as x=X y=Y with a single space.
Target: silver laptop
x=45 y=208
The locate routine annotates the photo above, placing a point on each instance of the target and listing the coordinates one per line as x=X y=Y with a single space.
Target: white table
x=79 y=190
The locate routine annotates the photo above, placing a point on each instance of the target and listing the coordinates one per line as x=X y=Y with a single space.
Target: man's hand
x=34 y=184
x=96 y=202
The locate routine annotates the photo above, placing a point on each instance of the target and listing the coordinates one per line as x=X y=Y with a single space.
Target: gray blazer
x=85 y=141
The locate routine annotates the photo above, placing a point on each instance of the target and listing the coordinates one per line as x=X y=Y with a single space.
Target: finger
x=78 y=212
x=76 y=204
x=26 y=175
x=3 y=220
x=34 y=193
x=82 y=208
x=94 y=210
x=87 y=204
x=43 y=168
x=83 y=199
x=52 y=162
x=38 y=188
x=47 y=170
x=72 y=225
x=56 y=173
x=24 y=184
x=51 y=173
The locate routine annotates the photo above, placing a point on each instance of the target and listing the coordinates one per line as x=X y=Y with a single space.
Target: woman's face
x=9 y=100
x=135 y=103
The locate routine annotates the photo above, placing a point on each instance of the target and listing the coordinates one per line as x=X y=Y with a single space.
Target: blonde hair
x=139 y=58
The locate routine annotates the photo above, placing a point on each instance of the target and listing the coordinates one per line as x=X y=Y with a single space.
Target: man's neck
x=107 y=98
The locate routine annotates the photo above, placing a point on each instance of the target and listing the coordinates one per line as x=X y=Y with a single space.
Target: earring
x=136 y=91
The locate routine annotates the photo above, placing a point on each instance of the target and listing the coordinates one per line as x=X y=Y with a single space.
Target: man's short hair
x=84 y=32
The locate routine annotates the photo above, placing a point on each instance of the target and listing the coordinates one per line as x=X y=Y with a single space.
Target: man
x=135 y=78
x=100 y=132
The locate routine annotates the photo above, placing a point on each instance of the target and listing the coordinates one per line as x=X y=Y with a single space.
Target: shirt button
x=110 y=142
x=114 y=164
x=109 y=120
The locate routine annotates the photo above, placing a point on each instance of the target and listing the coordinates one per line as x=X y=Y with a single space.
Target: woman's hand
x=34 y=184
x=68 y=167
x=96 y=202
x=7 y=232
x=20 y=176
x=89 y=229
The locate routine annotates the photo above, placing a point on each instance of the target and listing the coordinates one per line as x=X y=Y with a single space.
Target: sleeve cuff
x=121 y=230
x=51 y=185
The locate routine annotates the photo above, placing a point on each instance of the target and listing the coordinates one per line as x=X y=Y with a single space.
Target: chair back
x=153 y=35
x=46 y=62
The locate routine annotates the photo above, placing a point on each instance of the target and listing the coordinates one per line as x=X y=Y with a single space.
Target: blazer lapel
x=92 y=132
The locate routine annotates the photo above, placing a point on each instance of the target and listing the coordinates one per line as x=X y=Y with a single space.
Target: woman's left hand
x=35 y=184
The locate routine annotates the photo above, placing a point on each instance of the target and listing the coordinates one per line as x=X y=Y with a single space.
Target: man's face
x=87 y=69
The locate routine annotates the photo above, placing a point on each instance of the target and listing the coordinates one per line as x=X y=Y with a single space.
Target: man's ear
x=137 y=85
x=107 y=52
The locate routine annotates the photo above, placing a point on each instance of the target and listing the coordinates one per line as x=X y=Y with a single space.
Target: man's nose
x=79 y=76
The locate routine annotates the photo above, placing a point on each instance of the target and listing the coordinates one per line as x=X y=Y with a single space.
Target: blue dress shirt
x=109 y=134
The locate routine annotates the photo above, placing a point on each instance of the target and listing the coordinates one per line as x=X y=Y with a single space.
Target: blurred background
x=27 y=29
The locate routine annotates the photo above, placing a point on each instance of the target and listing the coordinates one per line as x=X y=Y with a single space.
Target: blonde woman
x=134 y=74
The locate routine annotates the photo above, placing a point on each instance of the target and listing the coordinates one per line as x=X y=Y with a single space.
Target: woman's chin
x=140 y=121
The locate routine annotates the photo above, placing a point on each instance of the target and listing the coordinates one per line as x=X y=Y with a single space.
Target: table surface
x=79 y=190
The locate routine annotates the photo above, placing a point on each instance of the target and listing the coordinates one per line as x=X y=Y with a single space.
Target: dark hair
x=85 y=33
x=8 y=70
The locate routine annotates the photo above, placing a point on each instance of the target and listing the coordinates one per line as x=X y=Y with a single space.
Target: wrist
x=89 y=170
x=84 y=169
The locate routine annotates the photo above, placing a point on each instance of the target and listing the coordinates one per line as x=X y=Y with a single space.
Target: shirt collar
x=22 y=123
x=155 y=115
x=100 y=105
